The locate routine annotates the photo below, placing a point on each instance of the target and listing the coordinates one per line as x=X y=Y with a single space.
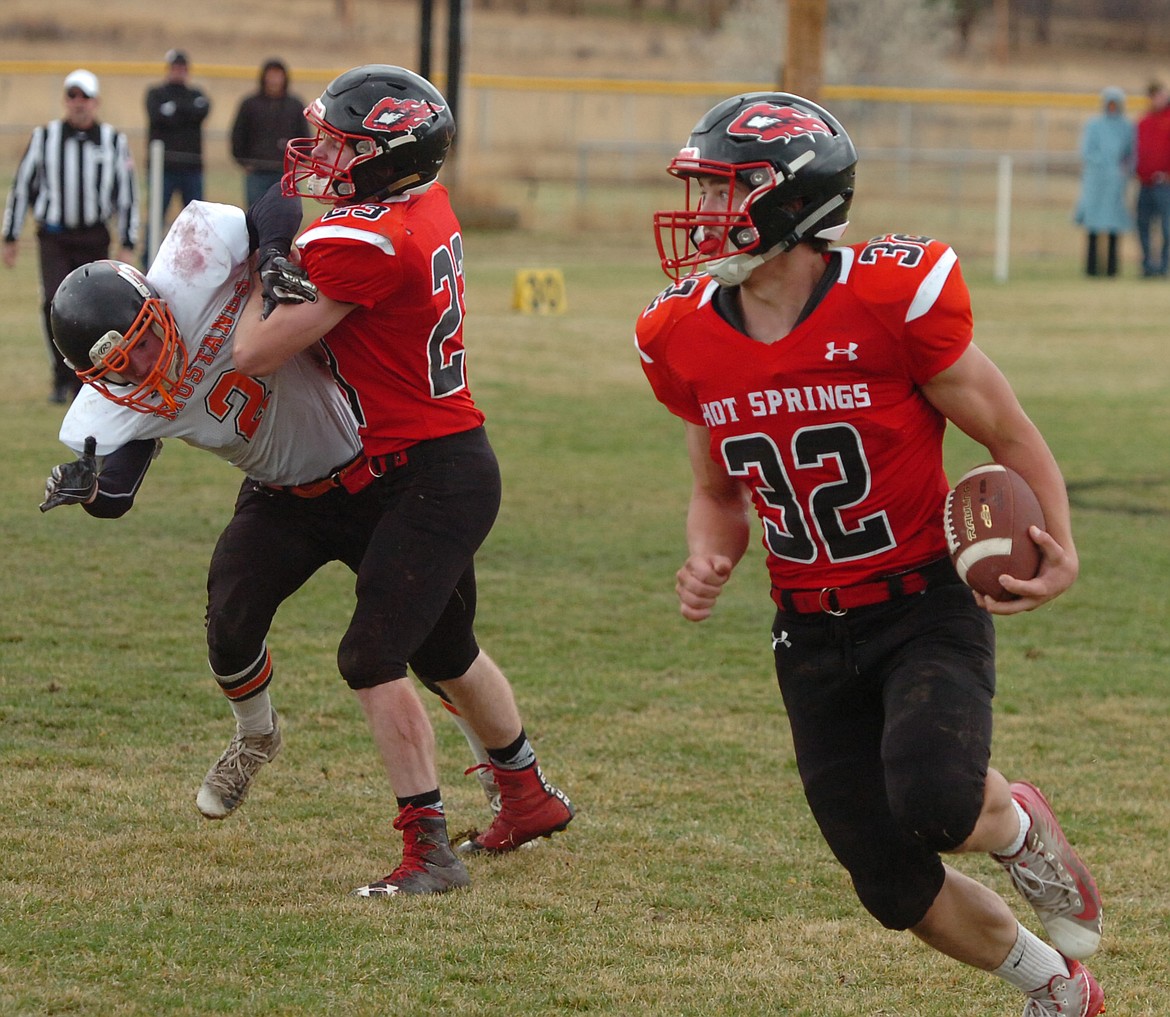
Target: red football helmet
x=101 y=315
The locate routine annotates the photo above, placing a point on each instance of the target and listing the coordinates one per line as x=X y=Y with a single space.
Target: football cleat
x=487 y=781
x=1053 y=879
x=530 y=807
x=1078 y=995
x=428 y=863
x=227 y=782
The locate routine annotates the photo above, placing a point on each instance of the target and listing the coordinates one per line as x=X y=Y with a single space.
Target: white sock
x=1025 y=826
x=253 y=712
x=254 y=715
x=1031 y=964
x=477 y=748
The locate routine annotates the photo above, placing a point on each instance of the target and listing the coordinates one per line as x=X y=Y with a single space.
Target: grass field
x=693 y=881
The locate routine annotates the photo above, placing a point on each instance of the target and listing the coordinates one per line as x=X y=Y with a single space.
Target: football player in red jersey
x=815 y=383
x=387 y=262
x=155 y=353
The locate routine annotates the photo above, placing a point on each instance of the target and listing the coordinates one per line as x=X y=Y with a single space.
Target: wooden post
x=426 y=21
x=1003 y=31
x=804 y=68
x=456 y=18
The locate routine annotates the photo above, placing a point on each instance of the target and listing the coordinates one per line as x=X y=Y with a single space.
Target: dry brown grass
x=517 y=146
x=223 y=34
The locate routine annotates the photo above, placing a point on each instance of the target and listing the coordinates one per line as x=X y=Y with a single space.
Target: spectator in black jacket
x=76 y=178
x=175 y=112
x=264 y=123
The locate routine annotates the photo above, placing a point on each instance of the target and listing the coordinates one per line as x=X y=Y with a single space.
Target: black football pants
x=274 y=542
x=410 y=537
x=61 y=251
x=890 y=710
x=416 y=592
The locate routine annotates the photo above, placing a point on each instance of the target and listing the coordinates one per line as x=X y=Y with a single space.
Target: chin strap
x=735 y=270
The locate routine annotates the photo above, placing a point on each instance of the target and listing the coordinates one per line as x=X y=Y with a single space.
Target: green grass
x=693 y=881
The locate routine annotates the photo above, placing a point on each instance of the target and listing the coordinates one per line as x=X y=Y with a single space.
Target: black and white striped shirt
x=71 y=179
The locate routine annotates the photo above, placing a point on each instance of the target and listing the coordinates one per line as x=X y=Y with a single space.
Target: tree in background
x=866 y=42
x=966 y=13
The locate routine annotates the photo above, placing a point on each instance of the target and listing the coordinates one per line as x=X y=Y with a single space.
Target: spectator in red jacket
x=1153 y=173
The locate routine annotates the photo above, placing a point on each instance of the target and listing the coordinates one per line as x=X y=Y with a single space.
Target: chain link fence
x=591 y=153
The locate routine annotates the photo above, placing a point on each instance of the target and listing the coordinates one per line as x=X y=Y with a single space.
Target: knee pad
x=363 y=665
x=232 y=645
x=449 y=667
x=226 y=651
x=236 y=624
x=436 y=662
x=899 y=895
x=938 y=810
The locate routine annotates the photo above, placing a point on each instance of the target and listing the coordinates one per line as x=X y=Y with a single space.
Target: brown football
x=987 y=516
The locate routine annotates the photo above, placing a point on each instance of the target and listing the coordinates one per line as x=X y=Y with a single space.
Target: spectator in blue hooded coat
x=1107 y=155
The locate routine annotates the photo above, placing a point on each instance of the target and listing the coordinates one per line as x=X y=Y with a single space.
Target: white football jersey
x=290 y=427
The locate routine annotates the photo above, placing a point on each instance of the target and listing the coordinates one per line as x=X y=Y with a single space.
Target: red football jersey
x=399 y=354
x=827 y=426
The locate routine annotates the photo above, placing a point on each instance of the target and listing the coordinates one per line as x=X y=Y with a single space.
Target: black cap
x=175 y=56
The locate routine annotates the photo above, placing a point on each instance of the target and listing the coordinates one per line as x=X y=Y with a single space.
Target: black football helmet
x=789 y=169
x=104 y=316
x=398 y=128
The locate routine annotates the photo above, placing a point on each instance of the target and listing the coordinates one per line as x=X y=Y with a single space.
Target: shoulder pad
x=891 y=268
x=674 y=303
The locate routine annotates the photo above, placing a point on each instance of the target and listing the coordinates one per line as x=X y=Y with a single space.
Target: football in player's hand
x=987 y=516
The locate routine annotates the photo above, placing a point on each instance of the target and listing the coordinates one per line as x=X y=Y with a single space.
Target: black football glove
x=73 y=482
x=283 y=282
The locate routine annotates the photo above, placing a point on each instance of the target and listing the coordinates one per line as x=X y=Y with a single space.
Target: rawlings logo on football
x=770 y=122
x=395 y=115
x=968 y=517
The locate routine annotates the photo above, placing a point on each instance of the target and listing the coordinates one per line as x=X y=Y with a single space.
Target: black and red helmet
x=398 y=129
x=792 y=166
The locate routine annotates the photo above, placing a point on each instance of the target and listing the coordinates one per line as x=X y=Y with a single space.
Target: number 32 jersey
x=827 y=426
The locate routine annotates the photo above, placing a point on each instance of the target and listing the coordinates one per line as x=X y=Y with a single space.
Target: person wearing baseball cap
x=84 y=80
x=73 y=210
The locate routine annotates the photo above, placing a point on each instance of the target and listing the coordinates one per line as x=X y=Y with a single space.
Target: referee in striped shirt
x=76 y=176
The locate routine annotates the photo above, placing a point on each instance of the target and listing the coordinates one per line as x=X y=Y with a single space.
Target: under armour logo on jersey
x=848 y=351
x=780 y=640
